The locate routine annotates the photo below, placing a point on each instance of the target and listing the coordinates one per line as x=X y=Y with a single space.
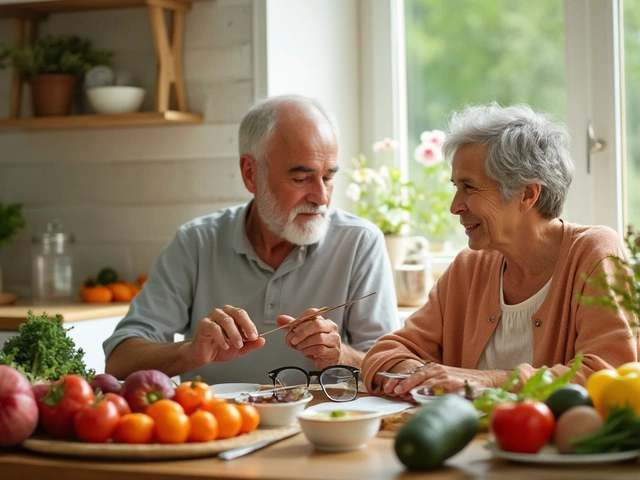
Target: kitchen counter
x=11 y=316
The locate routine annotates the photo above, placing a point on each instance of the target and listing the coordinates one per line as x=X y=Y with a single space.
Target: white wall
x=123 y=192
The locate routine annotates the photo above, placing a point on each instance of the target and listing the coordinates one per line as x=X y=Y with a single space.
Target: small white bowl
x=336 y=434
x=277 y=414
x=233 y=390
x=115 y=99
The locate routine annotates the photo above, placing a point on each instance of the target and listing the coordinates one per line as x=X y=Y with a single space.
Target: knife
x=240 y=451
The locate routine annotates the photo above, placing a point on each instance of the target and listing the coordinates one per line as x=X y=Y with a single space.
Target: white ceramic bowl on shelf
x=115 y=99
x=339 y=430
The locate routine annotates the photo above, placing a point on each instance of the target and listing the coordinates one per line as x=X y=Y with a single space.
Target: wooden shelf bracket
x=169 y=52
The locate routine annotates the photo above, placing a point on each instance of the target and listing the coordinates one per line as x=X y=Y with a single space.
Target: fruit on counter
x=566 y=397
x=144 y=387
x=573 y=423
x=96 y=294
x=106 y=276
x=18 y=407
x=171 y=424
x=437 y=431
x=250 y=417
x=192 y=395
x=58 y=407
x=121 y=292
x=134 y=428
x=522 y=427
x=203 y=426
x=142 y=279
x=229 y=418
x=106 y=383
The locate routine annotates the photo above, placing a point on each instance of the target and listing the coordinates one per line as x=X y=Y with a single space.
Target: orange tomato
x=134 y=289
x=142 y=279
x=228 y=417
x=134 y=428
x=250 y=417
x=121 y=293
x=191 y=395
x=97 y=294
x=171 y=423
x=203 y=426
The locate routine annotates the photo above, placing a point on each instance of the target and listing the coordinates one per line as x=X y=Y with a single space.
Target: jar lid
x=54 y=234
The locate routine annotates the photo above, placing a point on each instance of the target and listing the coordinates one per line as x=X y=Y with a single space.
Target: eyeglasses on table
x=339 y=382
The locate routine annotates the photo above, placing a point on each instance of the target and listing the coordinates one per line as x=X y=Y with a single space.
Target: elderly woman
x=512 y=299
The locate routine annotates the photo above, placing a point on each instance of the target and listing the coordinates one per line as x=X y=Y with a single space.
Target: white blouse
x=512 y=341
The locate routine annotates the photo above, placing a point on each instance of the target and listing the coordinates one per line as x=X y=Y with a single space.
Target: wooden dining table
x=296 y=458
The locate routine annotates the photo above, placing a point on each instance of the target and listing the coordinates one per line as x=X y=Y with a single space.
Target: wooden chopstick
x=310 y=316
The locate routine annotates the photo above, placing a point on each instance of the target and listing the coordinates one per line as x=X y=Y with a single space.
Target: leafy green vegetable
x=43 y=351
x=11 y=220
x=620 y=432
x=538 y=387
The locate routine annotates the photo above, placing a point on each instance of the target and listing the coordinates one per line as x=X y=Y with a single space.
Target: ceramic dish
x=339 y=429
x=277 y=414
x=232 y=390
x=551 y=456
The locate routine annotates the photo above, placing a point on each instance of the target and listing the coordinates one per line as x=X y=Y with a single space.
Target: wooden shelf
x=139 y=119
x=167 y=26
x=17 y=9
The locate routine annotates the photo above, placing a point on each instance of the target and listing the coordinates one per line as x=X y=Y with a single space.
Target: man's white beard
x=284 y=225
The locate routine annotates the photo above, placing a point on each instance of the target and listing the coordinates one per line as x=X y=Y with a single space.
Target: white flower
x=353 y=192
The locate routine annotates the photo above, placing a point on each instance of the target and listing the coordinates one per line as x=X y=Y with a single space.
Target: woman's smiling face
x=488 y=219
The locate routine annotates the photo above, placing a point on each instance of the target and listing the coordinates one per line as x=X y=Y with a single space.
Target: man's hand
x=317 y=339
x=226 y=333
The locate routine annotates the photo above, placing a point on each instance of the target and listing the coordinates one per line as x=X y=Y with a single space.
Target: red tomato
x=522 y=427
x=96 y=422
x=119 y=401
x=58 y=407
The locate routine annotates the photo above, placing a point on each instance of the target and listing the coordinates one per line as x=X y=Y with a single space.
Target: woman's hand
x=449 y=379
x=226 y=333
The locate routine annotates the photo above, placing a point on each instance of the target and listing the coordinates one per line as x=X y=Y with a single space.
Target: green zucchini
x=437 y=431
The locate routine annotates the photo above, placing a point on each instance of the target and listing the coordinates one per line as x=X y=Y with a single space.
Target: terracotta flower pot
x=52 y=94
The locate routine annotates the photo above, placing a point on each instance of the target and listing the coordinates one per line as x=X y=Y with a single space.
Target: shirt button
x=491 y=318
x=272 y=306
x=537 y=322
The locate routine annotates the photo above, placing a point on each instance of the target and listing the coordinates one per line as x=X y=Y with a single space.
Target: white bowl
x=233 y=390
x=115 y=99
x=335 y=434
x=277 y=414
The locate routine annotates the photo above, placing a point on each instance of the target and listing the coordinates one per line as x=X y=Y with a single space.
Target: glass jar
x=52 y=265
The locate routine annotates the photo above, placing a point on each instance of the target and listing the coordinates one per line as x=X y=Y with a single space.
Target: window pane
x=631 y=12
x=461 y=52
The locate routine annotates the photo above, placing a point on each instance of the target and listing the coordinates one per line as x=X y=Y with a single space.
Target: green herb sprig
x=620 y=433
x=43 y=350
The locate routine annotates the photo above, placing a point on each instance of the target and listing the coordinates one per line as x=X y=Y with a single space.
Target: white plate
x=233 y=390
x=550 y=456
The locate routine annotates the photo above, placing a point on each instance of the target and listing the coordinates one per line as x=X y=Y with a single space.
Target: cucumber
x=437 y=431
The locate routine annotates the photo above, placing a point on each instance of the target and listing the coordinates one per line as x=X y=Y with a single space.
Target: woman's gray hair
x=259 y=123
x=524 y=147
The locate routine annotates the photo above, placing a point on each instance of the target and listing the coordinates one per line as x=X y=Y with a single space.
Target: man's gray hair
x=259 y=123
x=523 y=146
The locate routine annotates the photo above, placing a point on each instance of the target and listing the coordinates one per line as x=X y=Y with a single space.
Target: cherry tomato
x=191 y=395
x=119 y=401
x=58 y=407
x=134 y=428
x=96 y=421
x=171 y=423
x=522 y=427
x=203 y=426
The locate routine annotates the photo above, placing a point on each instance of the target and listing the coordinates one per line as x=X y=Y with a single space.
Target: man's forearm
x=135 y=354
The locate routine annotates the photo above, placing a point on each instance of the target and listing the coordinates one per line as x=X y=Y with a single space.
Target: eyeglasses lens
x=339 y=384
x=291 y=377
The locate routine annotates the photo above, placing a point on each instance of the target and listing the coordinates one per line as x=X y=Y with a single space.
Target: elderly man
x=228 y=277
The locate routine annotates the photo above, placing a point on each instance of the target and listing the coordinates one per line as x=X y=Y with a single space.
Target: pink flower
x=386 y=144
x=434 y=136
x=428 y=154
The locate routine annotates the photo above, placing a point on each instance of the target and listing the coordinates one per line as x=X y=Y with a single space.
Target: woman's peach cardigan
x=463 y=310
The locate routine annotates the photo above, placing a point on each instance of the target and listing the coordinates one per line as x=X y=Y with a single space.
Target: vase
x=52 y=94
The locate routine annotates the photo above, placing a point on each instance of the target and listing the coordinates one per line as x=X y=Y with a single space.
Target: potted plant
x=11 y=220
x=53 y=65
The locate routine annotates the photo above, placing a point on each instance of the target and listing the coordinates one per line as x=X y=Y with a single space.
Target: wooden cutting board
x=155 y=451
